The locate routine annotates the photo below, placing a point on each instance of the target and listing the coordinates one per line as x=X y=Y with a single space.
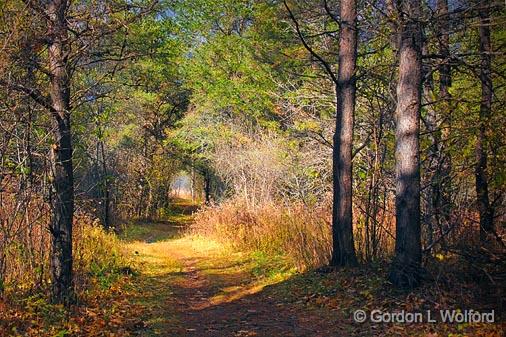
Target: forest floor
x=193 y=286
x=183 y=285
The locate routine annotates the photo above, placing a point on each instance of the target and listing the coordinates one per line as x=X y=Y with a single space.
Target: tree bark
x=485 y=209
x=442 y=192
x=207 y=187
x=406 y=265
x=105 y=188
x=193 y=184
x=343 y=252
x=432 y=169
x=62 y=196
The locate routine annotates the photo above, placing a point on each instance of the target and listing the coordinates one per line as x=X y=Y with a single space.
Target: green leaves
x=225 y=78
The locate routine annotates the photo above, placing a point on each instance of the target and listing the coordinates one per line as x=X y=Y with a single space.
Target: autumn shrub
x=99 y=267
x=300 y=232
x=98 y=255
x=296 y=231
x=374 y=234
x=24 y=240
x=25 y=246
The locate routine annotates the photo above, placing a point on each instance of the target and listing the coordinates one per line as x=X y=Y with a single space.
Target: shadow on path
x=197 y=287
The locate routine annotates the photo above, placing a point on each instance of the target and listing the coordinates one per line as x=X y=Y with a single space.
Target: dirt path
x=196 y=287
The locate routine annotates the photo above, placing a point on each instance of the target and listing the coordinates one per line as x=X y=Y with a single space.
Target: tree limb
x=324 y=63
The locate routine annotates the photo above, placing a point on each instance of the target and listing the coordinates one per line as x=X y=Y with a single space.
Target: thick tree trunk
x=406 y=266
x=343 y=252
x=485 y=209
x=62 y=198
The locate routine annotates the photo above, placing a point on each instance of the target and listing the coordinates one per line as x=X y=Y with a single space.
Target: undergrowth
x=100 y=257
x=467 y=277
x=296 y=232
x=100 y=265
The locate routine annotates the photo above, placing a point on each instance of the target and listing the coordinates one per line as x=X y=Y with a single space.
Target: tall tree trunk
x=207 y=187
x=193 y=184
x=432 y=168
x=442 y=194
x=343 y=252
x=62 y=198
x=105 y=188
x=485 y=210
x=406 y=266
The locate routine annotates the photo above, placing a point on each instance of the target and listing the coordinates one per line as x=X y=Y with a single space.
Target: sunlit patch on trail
x=181 y=273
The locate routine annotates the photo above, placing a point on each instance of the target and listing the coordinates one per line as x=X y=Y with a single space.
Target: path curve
x=192 y=286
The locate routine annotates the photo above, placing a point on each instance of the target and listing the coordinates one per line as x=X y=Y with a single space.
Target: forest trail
x=189 y=286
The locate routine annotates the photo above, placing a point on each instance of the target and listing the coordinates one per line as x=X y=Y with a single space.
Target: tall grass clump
x=296 y=231
x=99 y=256
x=99 y=265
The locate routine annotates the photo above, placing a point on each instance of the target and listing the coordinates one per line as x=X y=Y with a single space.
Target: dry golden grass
x=300 y=233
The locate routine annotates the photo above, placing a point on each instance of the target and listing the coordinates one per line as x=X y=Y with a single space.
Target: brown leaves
x=101 y=312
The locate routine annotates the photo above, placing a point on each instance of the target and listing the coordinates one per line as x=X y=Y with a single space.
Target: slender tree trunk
x=207 y=187
x=442 y=196
x=140 y=202
x=105 y=188
x=343 y=252
x=193 y=184
x=485 y=210
x=2 y=264
x=432 y=168
x=445 y=79
x=148 y=210
x=438 y=123
x=406 y=266
x=62 y=198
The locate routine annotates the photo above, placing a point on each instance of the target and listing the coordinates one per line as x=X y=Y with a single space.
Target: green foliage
x=269 y=265
x=39 y=304
x=100 y=255
x=225 y=78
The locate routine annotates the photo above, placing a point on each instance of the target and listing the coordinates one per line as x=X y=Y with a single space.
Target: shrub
x=296 y=231
x=98 y=255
